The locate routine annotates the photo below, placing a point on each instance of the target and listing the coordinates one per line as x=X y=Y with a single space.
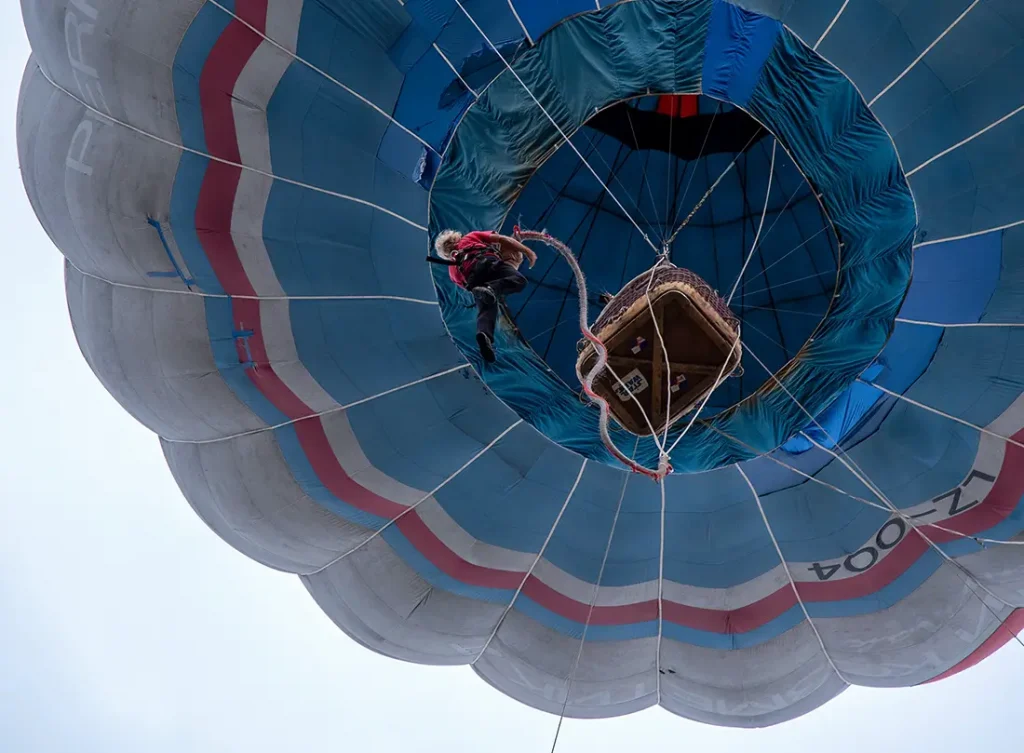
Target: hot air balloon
x=245 y=190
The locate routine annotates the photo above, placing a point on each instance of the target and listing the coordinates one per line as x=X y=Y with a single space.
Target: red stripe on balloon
x=213 y=216
x=1000 y=502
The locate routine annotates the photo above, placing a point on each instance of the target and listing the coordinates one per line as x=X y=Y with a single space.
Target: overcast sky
x=127 y=626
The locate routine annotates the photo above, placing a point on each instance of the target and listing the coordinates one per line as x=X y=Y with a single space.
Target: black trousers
x=501 y=279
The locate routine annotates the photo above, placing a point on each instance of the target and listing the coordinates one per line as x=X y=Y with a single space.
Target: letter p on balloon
x=78 y=27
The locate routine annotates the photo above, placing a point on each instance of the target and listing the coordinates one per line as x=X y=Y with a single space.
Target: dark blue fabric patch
x=954 y=281
x=739 y=43
x=836 y=421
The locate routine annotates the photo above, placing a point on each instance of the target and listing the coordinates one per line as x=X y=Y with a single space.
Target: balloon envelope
x=244 y=191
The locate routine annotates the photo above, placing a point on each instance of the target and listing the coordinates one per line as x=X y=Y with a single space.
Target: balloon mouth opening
x=795 y=210
x=697 y=175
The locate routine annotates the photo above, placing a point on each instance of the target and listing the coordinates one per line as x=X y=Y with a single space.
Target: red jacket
x=470 y=249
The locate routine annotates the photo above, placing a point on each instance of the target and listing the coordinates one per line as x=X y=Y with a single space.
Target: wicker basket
x=700 y=336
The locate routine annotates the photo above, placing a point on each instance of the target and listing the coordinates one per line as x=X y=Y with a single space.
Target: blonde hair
x=446 y=243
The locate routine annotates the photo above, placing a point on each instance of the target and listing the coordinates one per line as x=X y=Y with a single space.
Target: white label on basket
x=634 y=384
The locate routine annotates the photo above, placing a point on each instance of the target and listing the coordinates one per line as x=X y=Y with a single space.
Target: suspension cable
x=843 y=457
x=554 y=123
x=664 y=468
x=707 y=194
x=760 y=227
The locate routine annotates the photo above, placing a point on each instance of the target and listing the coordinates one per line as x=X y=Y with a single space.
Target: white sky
x=127 y=626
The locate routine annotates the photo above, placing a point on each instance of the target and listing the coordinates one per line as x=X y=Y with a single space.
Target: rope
x=964 y=325
x=769 y=338
x=862 y=477
x=323 y=73
x=966 y=141
x=590 y=609
x=707 y=194
x=943 y=414
x=521 y=24
x=781 y=311
x=413 y=506
x=700 y=154
x=536 y=560
x=643 y=175
x=664 y=351
x=587 y=381
x=553 y=121
x=828 y=30
x=668 y=169
x=718 y=382
x=230 y=296
x=792 y=582
x=661 y=589
x=965 y=236
x=853 y=468
x=760 y=227
x=200 y=153
x=782 y=464
x=792 y=251
x=792 y=282
x=703 y=199
x=455 y=70
x=920 y=57
x=602 y=361
x=320 y=414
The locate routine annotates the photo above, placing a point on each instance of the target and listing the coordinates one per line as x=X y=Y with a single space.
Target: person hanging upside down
x=486 y=264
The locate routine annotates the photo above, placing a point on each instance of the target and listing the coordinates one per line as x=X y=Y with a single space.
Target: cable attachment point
x=664 y=466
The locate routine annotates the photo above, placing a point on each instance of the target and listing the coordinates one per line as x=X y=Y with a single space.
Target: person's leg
x=486 y=318
x=506 y=280
x=503 y=279
x=489 y=281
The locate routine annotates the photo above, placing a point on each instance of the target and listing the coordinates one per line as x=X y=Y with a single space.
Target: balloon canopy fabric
x=597 y=59
x=245 y=190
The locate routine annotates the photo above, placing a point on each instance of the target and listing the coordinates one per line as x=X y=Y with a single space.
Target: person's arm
x=512 y=246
